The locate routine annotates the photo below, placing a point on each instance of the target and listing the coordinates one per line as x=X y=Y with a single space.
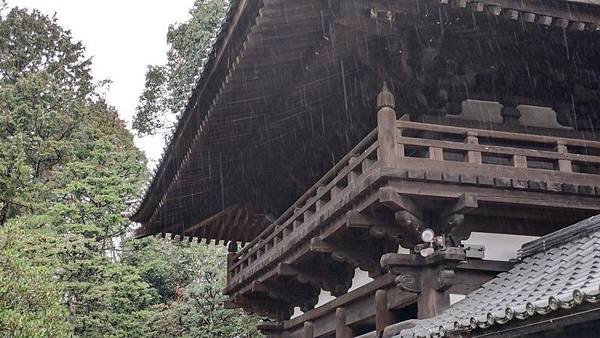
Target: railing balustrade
x=358 y=161
x=474 y=146
x=397 y=144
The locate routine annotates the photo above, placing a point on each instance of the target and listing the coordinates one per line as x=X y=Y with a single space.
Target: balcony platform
x=402 y=178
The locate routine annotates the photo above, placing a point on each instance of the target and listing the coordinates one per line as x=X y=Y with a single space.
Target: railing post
x=382 y=313
x=563 y=165
x=308 y=330
x=341 y=329
x=386 y=127
x=520 y=161
x=473 y=156
x=231 y=252
x=436 y=153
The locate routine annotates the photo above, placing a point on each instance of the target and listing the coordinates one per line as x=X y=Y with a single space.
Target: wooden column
x=510 y=113
x=430 y=277
x=308 y=330
x=436 y=153
x=432 y=300
x=386 y=127
x=383 y=316
x=563 y=165
x=341 y=329
x=520 y=161
x=231 y=252
x=473 y=156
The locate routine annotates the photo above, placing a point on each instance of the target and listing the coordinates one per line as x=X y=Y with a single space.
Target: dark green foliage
x=32 y=43
x=166 y=266
x=67 y=167
x=190 y=279
x=148 y=119
x=30 y=295
x=168 y=87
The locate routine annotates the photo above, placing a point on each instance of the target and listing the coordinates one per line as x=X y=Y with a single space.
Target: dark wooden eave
x=238 y=20
x=288 y=89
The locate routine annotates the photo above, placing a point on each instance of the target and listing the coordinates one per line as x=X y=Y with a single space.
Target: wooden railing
x=402 y=144
x=358 y=161
x=489 y=147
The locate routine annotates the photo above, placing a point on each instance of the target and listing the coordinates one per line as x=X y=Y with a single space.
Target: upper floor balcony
x=401 y=179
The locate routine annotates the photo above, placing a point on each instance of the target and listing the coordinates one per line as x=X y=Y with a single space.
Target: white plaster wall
x=499 y=246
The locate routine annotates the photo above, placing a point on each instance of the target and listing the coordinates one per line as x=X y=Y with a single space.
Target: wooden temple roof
x=288 y=88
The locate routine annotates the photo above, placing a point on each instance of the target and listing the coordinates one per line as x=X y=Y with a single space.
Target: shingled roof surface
x=557 y=274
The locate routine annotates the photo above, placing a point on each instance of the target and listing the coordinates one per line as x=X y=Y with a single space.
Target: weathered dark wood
x=429 y=276
x=308 y=330
x=431 y=301
x=387 y=134
x=271 y=31
x=383 y=316
x=468 y=199
x=289 y=89
x=342 y=330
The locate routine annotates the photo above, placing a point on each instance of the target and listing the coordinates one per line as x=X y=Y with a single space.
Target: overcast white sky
x=123 y=37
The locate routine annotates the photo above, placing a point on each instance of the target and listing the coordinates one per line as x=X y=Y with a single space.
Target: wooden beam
x=395 y=201
x=259 y=287
x=464 y=204
x=365 y=256
x=410 y=227
x=494 y=195
x=192 y=231
x=355 y=219
x=242 y=214
x=224 y=223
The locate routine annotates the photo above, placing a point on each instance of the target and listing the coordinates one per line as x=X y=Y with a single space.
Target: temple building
x=386 y=168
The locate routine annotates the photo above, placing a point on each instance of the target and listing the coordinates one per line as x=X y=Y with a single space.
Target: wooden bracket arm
x=393 y=200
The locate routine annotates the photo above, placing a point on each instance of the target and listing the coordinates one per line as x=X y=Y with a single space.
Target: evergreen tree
x=30 y=295
x=169 y=86
x=190 y=279
x=67 y=167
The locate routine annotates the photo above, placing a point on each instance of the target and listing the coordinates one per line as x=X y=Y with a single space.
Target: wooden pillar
x=430 y=277
x=510 y=113
x=383 y=316
x=436 y=153
x=563 y=165
x=308 y=330
x=386 y=127
x=431 y=300
x=520 y=161
x=231 y=252
x=341 y=329
x=473 y=156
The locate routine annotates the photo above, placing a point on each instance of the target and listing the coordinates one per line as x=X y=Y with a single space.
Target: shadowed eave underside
x=223 y=111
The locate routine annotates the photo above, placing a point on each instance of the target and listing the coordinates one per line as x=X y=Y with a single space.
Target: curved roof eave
x=142 y=210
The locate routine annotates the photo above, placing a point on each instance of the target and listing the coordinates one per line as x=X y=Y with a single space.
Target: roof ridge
x=568 y=234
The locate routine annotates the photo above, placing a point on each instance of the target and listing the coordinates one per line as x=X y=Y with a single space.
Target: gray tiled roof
x=559 y=275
